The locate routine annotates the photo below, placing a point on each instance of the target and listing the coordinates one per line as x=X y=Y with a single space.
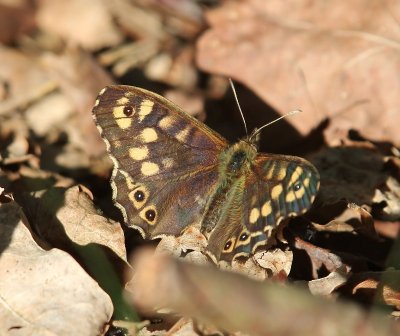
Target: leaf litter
x=44 y=292
x=64 y=253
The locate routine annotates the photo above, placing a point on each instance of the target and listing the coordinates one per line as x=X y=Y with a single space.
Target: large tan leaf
x=44 y=292
x=332 y=59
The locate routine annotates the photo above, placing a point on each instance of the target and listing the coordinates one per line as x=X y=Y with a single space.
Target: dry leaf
x=327 y=285
x=16 y=150
x=275 y=261
x=193 y=104
x=80 y=79
x=389 y=193
x=373 y=286
x=25 y=77
x=65 y=216
x=320 y=258
x=233 y=302
x=85 y=23
x=249 y=267
x=184 y=327
x=387 y=229
x=44 y=292
x=353 y=172
x=34 y=179
x=190 y=240
x=48 y=114
x=176 y=71
x=336 y=60
x=16 y=19
x=353 y=219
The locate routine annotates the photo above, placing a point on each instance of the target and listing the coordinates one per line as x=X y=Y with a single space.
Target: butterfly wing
x=276 y=187
x=165 y=161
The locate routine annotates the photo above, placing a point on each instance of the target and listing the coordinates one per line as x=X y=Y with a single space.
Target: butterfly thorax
x=235 y=164
x=236 y=159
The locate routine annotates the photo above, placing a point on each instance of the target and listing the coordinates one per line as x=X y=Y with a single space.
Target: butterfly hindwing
x=276 y=187
x=160 y=156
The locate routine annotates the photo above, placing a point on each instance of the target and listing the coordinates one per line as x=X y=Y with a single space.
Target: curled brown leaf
x=234 y=302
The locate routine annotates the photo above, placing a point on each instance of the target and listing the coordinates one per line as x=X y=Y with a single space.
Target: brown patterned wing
x=277 y=187
x=165 y=161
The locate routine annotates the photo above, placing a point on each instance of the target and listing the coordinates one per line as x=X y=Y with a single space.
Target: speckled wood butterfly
x=171 y=171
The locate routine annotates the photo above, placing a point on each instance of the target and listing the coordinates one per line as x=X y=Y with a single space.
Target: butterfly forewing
x=165 y=162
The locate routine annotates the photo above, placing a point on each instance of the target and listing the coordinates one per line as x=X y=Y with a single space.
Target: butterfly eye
x=243 y=236
x=150 y=215
x=128 y=110
x=228 y=244
x=297 y=186
x=139 y=195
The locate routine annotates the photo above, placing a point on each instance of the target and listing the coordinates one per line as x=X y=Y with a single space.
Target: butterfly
x=171 y=171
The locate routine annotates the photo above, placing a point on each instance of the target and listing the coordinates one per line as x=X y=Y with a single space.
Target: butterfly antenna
x=258 y=130
x=237 y=102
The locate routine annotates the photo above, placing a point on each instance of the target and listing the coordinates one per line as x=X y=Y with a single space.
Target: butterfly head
x=254 y=138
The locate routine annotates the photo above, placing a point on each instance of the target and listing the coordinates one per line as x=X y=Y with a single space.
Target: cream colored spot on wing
x=149 y=168
x=256 y=234
x=295 y=176
x=290 y=197
x=102 y=91
x=145 y=108
x=120 y=118
x=266 y=209
x=281 y=174
x=139 y=153
x=276 y=191
x=167 y=162
x=117 y=144
x=306 y=182
x=270 y=173
x=182 y=135
x=254 y=215
x=97 y=102
x=166 y=122
x=268 y=230
x=149 y=135
x=122 y=101
x=300 y=193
